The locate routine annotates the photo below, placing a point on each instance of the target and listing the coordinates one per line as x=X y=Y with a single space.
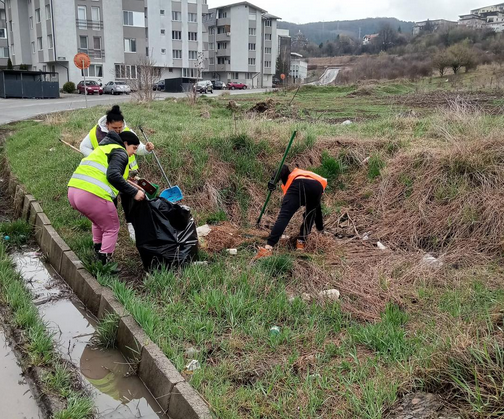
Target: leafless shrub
x=147 y=75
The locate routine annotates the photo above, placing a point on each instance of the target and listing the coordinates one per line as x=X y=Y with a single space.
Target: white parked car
x=116 y=88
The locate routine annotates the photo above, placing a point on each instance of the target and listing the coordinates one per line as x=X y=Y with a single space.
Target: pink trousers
x=103 y=215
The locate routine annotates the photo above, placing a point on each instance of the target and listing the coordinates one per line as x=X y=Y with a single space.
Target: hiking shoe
x=262 y=252
x=300 y=245
x=106 y=259
x=97 y=248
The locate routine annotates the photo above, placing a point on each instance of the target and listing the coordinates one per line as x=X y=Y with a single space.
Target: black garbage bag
x=165 y=233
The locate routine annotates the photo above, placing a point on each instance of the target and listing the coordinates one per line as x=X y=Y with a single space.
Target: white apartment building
x=298 y=68
x=116 y=34
x=242 y=44
x=4 y=43
x=491 y=17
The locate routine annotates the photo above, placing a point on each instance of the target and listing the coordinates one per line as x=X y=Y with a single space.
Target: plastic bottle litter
x=193 y=365
x=332 y=294
x=347 y=122
x=201 y=263
x=6 y=238
x=381 y=246
x=232 y=251
x=429 y=260
x=274 y=331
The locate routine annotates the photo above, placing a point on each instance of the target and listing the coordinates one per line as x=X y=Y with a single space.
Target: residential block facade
x=491 y=17
x=116 y=34
x=4 y=42
x=242 y=44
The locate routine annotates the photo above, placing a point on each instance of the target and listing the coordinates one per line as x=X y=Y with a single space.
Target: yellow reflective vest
x=91 y=174
x=133 y=165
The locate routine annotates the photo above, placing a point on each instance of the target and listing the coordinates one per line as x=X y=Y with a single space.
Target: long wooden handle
x=70 y=145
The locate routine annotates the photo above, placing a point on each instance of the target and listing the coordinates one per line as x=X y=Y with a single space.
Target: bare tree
x=147 y=75
x=192 y=93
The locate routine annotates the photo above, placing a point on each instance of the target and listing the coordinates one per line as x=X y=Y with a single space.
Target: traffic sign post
x=83 y=62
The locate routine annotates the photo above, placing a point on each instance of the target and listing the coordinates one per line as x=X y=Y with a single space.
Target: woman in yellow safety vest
x=300 y=188
x=95 y=184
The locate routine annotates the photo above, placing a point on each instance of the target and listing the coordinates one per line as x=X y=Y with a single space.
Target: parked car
x=204 y=86
x=91 y=87
x=236 y=85
x=218 y=84
x=160 y=85
x=116 y=88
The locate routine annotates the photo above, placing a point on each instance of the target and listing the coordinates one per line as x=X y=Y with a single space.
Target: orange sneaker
x=262 y=252
x=300 y=244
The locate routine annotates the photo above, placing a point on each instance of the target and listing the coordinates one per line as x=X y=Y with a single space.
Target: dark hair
x=284 y=173
x=114 y=114
x=129 y=138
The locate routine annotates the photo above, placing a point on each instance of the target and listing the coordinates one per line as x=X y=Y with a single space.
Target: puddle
x=116 y=393
x=20 y=403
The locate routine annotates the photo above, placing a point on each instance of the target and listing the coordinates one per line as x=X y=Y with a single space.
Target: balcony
x=226 y=36
x=93 y=53
x=226 y=52
x=89 y=24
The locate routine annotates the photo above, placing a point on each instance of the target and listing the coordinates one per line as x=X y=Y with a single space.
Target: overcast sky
x=305 y=11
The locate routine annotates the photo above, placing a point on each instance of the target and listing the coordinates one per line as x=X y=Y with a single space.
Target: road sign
x=82 y=60
x=282 y=76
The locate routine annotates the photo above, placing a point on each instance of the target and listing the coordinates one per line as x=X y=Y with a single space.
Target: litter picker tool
x=173 y=193
x=277 y=175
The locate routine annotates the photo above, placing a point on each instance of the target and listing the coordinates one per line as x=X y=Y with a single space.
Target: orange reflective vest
x=303 y=174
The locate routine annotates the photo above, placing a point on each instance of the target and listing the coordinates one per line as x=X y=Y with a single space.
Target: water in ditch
x=118 y=393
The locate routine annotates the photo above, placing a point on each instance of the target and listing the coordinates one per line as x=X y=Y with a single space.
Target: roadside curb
x=175 y=395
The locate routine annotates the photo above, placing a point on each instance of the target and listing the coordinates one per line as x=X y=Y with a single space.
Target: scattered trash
x=203 y=230
x=306 y=297
x=291 y=298
x=191 y=352
x=232 y=251
x=429 y=260
x=201 y=263
x=274 y=331
x=52 y=149
x=193 y=365
x=314 y=376
x=347 y=122
x=285 y=237
x=366 y=160
x=366 y=235
x=381 y=246
x=6 y=238
x=332 y=294
x=131 y=231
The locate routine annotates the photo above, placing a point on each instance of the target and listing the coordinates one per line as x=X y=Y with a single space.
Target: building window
x=252 y=14
x=221 y=29
x=251 y=47
x=31 y=23
x=33 y=47
x=3 y=33
x=267 y=37
x=4 y=52
x=83 y=42
x=37 y=15
x=192 y=17
x=97 y=42
x=129 y=45
x=94 y=70
x=95 y=14
x=252 y=31
x=190 y=72
x=267 y=64
x=176 y=35
x=163 y=32
x=125 y=71
x=251 y=61
x=267 y=50
x=161 y=12
x=49 y=41
x=82 y=16
x=221 y=60
x=267 y=23
x=192 y=36
x=211 y=61
x=212 y=30
x=176 y=16
x=48 y=11
x=222 y=45
x=163 y=51
x=127 y=18
x=193 y=55
x=211 y=46
x=235 y=75
x=39 y=43
x=222 y=14
x=177 y=53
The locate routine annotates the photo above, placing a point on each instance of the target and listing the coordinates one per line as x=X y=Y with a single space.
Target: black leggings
x=302 y=192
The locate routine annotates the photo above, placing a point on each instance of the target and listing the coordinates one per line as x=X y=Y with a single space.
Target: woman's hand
x=149 y=146
x=140 y=195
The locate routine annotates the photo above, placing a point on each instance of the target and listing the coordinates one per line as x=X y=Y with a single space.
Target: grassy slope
x=325 y=362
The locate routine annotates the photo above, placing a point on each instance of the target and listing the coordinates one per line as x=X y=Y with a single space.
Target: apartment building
x=432 y=25
x=4 y=42
x=117 y=35
x=491 y=17
x=242 y=44
x=298 y=68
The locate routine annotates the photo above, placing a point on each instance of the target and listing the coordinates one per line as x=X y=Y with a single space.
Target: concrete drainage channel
x=174 y=396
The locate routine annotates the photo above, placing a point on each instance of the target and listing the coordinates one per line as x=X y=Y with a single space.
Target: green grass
x=39 y=344
x=106 y=331
x=15 y=233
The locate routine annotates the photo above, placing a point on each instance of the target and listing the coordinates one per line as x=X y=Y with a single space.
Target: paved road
x=18 y=109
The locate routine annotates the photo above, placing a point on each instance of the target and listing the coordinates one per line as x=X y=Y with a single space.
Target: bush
x=69 y=87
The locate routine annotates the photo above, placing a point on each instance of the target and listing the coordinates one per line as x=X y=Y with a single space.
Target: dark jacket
x=117 y=162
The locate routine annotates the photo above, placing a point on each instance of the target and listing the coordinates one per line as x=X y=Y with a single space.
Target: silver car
x=116 y=88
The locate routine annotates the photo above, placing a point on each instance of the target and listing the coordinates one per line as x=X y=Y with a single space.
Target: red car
x=91 y=86
x=235 y=85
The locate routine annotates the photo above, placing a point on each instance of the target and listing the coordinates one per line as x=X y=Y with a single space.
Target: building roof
x=270 y=16
x=434 y=21
x=295 y=54
x=245 y=3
